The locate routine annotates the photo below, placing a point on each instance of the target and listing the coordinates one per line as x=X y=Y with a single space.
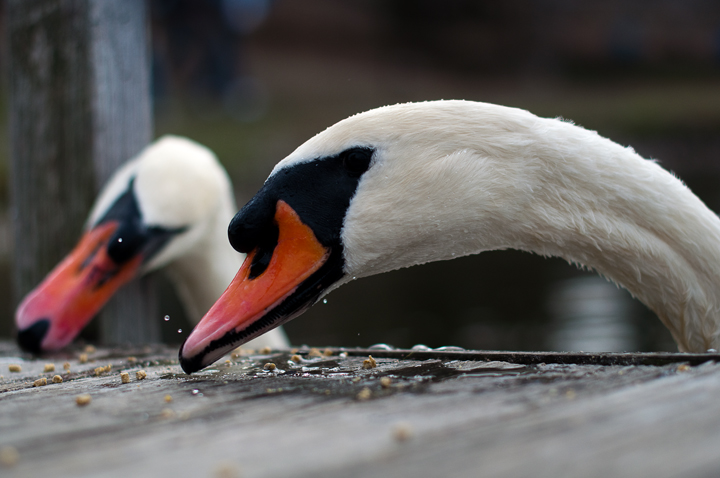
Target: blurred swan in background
x=168 y=207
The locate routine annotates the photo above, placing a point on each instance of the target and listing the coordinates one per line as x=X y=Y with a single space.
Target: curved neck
x=640 y=227
x=557 y=190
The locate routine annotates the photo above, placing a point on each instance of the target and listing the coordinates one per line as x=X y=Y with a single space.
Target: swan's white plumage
x=180 y=184
x=452 y=178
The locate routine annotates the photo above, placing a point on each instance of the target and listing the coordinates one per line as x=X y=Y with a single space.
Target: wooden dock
x=415 y=414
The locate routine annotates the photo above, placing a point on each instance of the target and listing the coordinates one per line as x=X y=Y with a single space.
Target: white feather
x=452 y=178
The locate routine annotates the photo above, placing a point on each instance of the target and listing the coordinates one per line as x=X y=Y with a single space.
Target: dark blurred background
x=253 y=79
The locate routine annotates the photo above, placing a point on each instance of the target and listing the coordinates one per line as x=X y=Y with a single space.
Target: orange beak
x=251 y=306
x=54 y=312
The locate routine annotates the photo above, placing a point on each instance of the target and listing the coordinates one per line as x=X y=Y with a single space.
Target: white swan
x=168 y=207
x=412 y=183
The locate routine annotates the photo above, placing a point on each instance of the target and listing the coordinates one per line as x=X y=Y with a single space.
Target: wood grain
x=457 y=418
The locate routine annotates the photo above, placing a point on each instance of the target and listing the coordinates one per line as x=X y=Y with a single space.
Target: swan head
x=336 y=209
x=154 y=209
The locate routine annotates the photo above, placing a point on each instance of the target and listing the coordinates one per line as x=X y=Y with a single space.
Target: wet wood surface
x=413 y=414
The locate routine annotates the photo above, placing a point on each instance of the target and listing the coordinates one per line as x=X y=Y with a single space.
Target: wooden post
x=79 y=107
x=122 y=123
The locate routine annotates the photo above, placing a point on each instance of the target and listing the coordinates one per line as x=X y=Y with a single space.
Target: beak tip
x=190 y=364
x=30 y=339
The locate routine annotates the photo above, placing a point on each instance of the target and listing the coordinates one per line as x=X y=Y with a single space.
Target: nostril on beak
x=30 y=339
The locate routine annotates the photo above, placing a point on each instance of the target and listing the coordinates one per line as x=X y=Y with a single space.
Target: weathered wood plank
x=460 y=418
x=532 y=358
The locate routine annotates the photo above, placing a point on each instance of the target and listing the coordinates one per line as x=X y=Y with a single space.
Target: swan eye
x=357 y=160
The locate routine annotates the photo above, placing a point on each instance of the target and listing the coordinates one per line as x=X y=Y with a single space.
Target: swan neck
x=551 y=188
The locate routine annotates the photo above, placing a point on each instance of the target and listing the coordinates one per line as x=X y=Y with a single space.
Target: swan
x=168 y=207
x=411 y=183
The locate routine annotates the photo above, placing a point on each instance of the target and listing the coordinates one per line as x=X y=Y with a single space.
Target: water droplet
x=324 y=301
x=711 y=351
x=179 y=331
x=449 y=348
x=167 y=317
x=421 y=348
x=195 y=391
x=381 y=347
x=119 y=239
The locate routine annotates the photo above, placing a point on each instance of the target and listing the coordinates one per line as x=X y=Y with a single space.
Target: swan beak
x=246 y=308
x=54 y=312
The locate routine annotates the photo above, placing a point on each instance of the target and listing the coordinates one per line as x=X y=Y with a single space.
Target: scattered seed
x=140 y=375
x=385 y=382
x=101 y=370
x=294 y=351
x=227 y=470
x=369 y=362
x=168 y=398
x=49 y=367
x=89 y=349
x=83 y=399
x=683 y=368
x=328 y=352
x=402 y=432
x=9 y=456
x=364 y=394
x=314 y=353
x=66 y=366
x=13 y=367
x=124 y=377
x=57 y=379
x=296 y=358
x=40 y=382
x=131 y=359
x=265 y=350
x=82 y=358
x=269 y=366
